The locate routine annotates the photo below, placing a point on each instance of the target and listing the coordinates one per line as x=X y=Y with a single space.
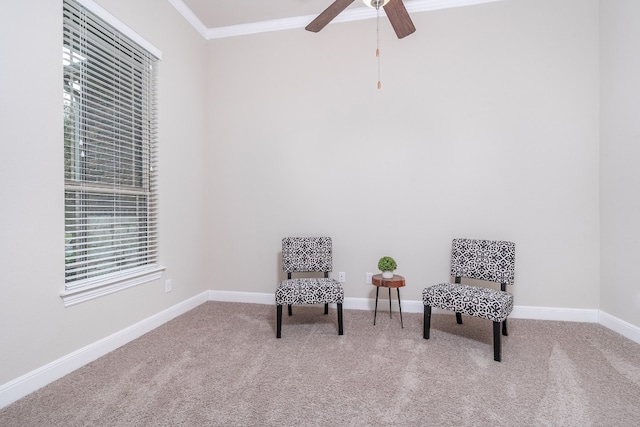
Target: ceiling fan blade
x=399 y=18
x=327 y=16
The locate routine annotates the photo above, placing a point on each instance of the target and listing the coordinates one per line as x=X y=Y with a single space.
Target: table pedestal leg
x=375 y=313
x=399 y=306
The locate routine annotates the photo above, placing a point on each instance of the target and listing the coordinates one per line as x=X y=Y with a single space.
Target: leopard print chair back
x=306 y=254
x=490 y=260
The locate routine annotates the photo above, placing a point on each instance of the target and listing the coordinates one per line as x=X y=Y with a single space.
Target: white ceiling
x=224 y=13
x=227 y=18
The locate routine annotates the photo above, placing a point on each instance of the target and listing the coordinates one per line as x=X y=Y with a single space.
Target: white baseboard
x=555 y=313
x=249 y=297
x=414 y=306
x=620 y=326
x=32 y=381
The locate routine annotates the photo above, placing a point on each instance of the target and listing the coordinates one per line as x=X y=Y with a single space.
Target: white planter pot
x=387 y=274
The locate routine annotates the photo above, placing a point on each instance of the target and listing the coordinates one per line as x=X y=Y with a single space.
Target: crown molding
x=190 y=16
x=302 y=21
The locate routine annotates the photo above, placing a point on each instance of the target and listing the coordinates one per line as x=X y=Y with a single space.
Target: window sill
x=106 y=286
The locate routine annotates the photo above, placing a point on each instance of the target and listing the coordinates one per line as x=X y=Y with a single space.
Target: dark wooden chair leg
x=326 y=308
x=504 y=328
x=278 y=321
x=497 y=345
x=289 y=309
x=340 y=319
x=426 y=323
x=459 y=318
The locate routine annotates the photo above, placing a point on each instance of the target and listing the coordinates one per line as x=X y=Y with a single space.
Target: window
x=109 y=99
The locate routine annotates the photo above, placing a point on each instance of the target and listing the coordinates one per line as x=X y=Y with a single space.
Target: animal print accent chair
x=487 y=260
x=305 y=255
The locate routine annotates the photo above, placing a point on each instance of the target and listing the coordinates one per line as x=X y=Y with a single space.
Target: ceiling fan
x=395 y=10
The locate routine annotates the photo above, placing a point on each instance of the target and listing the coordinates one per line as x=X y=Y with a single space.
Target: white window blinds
x=109 y=98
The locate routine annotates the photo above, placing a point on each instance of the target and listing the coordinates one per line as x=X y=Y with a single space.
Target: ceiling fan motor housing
x=376 y=4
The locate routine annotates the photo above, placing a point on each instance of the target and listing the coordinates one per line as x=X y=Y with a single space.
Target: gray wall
x=619 y=154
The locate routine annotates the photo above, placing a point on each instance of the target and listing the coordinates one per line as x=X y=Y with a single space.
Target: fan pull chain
x=378 y=42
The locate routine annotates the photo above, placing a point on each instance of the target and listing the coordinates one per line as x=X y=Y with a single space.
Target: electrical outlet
x=167 y=285
x=368 y=278
x=342 y=277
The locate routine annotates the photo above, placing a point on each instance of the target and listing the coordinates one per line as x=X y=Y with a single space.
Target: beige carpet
x=220 y=364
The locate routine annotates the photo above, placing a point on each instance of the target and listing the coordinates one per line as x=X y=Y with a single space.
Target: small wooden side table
x=395 y=282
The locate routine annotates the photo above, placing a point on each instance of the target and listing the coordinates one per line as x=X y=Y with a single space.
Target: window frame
x=144 y=193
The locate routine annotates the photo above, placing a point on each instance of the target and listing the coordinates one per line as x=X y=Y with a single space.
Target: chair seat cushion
x=475 y=301
x=309 y=291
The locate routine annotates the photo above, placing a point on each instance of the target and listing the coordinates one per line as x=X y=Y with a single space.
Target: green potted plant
x=387 y=265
